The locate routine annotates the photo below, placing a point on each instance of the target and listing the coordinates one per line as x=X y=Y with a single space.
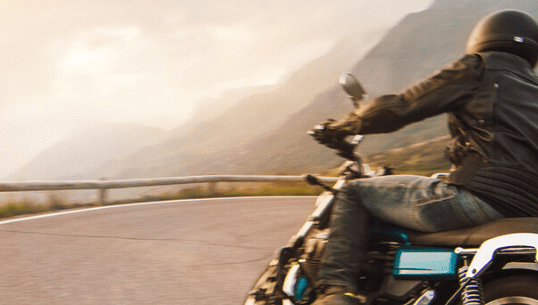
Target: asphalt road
x=175 y=252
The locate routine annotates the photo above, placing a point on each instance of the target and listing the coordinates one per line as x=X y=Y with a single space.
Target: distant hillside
x=210 y=108
x=79 y=156
x=419 y=158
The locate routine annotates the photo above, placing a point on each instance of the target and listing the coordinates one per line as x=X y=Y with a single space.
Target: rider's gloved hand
x=325 y=134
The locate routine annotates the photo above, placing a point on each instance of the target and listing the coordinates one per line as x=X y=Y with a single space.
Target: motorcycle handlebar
x=344 y=148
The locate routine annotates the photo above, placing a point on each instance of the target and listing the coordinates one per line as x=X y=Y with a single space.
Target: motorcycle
x=493 y=264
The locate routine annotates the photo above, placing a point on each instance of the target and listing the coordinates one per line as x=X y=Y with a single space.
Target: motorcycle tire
x=516 y=289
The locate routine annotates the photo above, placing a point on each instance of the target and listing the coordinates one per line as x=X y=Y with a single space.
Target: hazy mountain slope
x=419 y=45
x=251 y=118
x=208 y=109
x=79 y=156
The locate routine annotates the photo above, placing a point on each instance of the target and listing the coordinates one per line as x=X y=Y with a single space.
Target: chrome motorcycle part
x=521 y=266
x=426 y=298
x=352 y=87
x=325 y=196
x=465 y=252
x=472 y=293
x=291 y=280
x=352 y=170
x=508 y=251
x=484 y=255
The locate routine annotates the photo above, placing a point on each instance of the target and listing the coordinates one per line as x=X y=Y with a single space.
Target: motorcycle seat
x=474 y=236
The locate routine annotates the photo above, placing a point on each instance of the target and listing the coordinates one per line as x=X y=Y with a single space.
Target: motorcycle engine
x=379 y=260
x=314 y=248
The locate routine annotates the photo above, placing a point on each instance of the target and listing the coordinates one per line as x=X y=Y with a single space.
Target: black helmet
x=507 y=31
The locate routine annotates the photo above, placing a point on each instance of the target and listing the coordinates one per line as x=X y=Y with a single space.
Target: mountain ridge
x=76 y=158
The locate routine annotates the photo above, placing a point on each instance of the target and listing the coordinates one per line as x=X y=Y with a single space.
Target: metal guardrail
x=103 y=185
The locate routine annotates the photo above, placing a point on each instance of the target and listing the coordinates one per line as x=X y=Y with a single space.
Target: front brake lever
x=314 y=130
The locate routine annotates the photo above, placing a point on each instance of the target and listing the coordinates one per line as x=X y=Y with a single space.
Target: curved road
x=176 y=252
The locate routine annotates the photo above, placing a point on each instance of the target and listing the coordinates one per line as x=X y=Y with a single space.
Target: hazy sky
x=69 y=64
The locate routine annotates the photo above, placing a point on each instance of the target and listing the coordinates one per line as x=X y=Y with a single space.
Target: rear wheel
x=517 y=289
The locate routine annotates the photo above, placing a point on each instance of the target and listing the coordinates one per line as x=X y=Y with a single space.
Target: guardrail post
x=102 y=194
x=212 y=188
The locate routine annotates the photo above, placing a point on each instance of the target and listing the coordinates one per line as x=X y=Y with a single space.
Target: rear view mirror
x=352 y=87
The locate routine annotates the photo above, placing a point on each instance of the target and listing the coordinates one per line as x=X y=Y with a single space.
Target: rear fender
x=510 y=243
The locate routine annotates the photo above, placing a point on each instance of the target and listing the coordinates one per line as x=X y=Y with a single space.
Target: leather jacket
x=492 y=103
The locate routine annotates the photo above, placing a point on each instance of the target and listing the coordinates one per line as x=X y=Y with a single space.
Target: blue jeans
x=415 y=202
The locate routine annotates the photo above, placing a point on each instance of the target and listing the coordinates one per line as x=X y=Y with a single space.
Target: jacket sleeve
x=444 y=91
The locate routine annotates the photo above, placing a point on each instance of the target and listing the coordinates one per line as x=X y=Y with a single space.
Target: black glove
x=326 y=135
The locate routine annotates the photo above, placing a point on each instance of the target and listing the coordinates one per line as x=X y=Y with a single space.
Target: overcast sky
x=69 y=64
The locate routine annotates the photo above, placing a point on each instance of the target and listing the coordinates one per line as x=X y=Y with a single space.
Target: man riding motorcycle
x=491 y=97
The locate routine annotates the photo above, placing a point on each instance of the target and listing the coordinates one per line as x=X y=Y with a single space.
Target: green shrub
x=14 y=209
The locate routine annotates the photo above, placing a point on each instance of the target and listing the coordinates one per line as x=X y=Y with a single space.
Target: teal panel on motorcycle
x=425 y=263
x=300 y=288
x=382 y=232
